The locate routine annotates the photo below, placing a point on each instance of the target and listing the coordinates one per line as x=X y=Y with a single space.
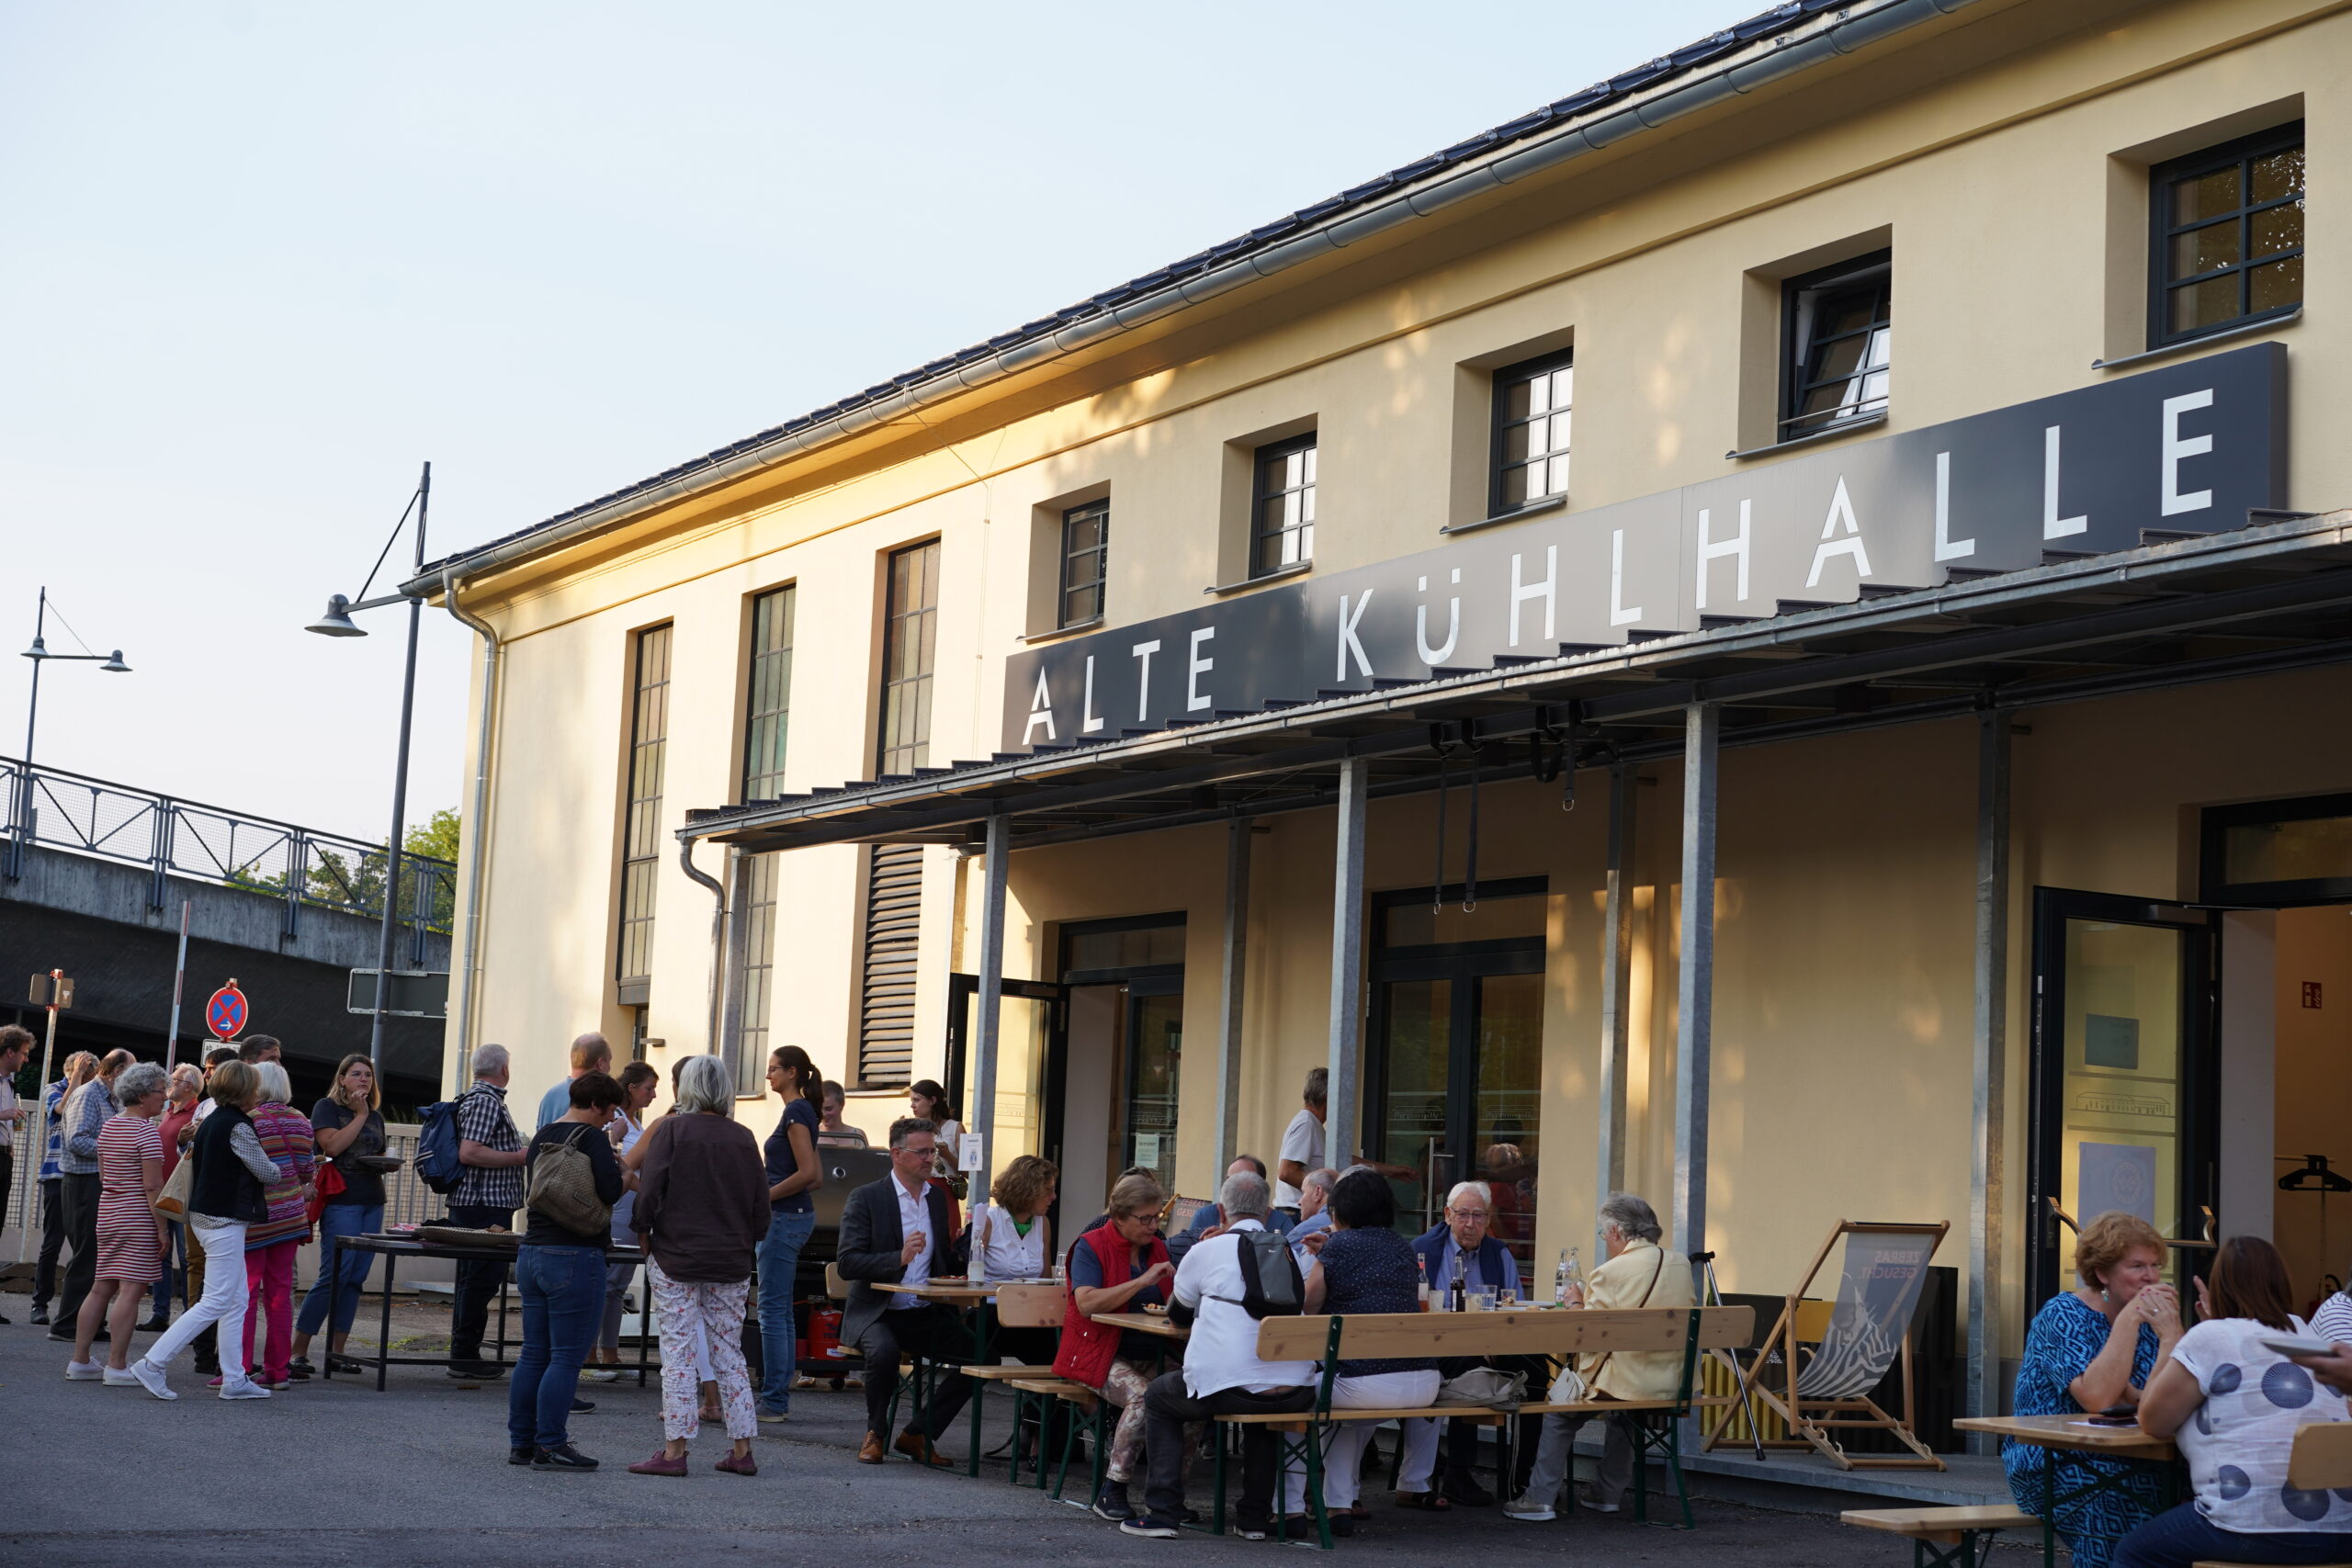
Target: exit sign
x=2310 y=993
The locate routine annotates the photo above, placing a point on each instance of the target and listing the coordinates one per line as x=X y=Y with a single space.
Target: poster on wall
x=2117 y=1175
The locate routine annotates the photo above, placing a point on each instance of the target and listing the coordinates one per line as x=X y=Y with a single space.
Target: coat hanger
x=2315 y=1175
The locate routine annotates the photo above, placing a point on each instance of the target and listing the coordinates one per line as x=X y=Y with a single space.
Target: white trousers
x=1343 y=1454
x=224 y=1300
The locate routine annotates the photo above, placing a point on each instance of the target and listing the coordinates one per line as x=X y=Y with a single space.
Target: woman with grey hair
x=130 y=1241
x=271 y=1245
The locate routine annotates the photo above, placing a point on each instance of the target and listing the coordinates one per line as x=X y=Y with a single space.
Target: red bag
x=325 y=1183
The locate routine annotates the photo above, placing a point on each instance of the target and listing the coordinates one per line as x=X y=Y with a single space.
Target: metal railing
x=304 y=868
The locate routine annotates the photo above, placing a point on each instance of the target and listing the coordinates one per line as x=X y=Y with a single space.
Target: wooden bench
x=1945 y=1538
x=1556 y=1334
x=2321 y=1461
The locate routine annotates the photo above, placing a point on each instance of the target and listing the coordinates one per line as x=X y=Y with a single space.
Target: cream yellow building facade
x=1983 y=194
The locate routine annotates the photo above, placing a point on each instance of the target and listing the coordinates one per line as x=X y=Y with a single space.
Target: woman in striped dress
x=129 y=1236
x=286 y=1138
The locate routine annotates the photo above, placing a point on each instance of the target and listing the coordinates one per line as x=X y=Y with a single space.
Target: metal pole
x=179 y=986
x=980 y=1115
x=1989 y=1094
x=400 y=798
x=1237 y=952
x=1695 y=981
x=29 y=1220
x=23 y=837
x=1616 y=983
x=1343 y=1127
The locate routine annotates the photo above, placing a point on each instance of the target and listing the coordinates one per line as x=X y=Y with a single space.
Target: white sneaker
x=243 y=1388
x=122 y=1379
x=1592 y=1502
x=82 y=1371
x=151 y=1378
x=601 y=1374
x=1527 y=1507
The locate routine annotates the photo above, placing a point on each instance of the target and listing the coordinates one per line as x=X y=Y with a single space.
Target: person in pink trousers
x=271 y=1246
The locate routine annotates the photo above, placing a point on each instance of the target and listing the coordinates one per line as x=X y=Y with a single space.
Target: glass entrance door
x=1027 y=1030
x=2125 y=1077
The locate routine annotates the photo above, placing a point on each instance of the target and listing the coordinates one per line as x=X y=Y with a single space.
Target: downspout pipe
x=717 y=933
x=476 y=826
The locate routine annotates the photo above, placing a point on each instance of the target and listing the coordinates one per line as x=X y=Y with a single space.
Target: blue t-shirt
x=1086 y=1270
x=780 y=1159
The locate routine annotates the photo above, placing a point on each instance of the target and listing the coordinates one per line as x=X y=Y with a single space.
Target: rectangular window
x=885 y=1036
x=910 y=645
x=1532 y=408
x=2227 y=241
x=1282 y=510
x=766 y=722
x=759 y=969
x=1086 y=548
x=1836 y=346
x=642 y=829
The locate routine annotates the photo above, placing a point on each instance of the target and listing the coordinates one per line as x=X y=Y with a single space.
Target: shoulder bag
x=1572 y=1387
x=563 y=1186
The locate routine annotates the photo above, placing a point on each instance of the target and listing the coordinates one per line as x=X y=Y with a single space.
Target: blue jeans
x=779 y=1266
x=341 y=1273
x=2180 y=1538
x=563 y=1300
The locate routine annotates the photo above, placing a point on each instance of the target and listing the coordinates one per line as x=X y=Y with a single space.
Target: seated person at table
x=2234 y=1408
x=1017 y=1240
x=1639 y=1273
x=1314 y=1214
x=1210 y=1220
x=902 y=1231
x=1119 y=1267
x=2090 y=1348
x=1362 y=1265
x=1461 y=1246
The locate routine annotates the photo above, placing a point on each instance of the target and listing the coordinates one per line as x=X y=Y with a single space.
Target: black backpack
x=1270 y=1285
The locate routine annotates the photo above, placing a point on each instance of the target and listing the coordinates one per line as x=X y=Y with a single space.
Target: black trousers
x=1460 y=1454
x=1168 y=1407
x=81 y=1195
x=8 y=1183
x=932 y=1330
x=478 y=1283
x=52 y=1240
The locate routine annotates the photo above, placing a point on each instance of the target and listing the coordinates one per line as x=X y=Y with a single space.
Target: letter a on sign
x=1041 y=710
x=1841 y=516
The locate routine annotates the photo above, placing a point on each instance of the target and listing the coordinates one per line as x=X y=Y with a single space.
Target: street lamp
x=20 y=838
x=337 y=622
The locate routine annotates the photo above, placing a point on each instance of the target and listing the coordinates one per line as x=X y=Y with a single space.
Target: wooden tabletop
x=945 y=1290
x=1143 y=1322
x=2073 y=1432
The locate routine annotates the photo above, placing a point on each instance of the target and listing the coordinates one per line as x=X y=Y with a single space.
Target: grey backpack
x=563 y=1186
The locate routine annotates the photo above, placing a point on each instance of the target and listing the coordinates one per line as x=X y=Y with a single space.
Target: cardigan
x=702 y=1197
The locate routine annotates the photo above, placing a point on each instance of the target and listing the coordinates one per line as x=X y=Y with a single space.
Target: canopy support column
x=1988 y=1186
x=980 y=1115
x=1695 y=981
x=1236 y=958
x=1616 y=984
x=1343 y=1122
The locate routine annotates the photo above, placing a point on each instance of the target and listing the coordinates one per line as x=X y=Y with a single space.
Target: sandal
x=1427 y=1501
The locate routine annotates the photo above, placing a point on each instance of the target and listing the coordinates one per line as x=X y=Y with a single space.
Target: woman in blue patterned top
x=1362 y=1265
x=2094 y=1348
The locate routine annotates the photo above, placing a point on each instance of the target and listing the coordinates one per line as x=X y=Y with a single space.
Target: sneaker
x=1589 y=1499
x=583 y=1406
x=155 y=1325
x=1157 y=1529
x=660 y=1464
x=63 y=1334
x=563 y=1457
x=771 y=1418
x=738 y=1464
x=1527 y=1507
x=1111 y=1504
x=601 y=1374
x=122 y=1379
x=82 y=1371
x=243 y=1388
x=215 y=1379
x=40 y=1311
x=151 y=1378
x=1253 y=1529
x=520 y=1455
x=1462 y=1489
x=274 y=1385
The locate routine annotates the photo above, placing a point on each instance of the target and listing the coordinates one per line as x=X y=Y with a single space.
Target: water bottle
x=977 y=1269
x=1570 y=1278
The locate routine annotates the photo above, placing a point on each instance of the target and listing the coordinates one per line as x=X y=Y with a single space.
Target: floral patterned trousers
x=691 y=1313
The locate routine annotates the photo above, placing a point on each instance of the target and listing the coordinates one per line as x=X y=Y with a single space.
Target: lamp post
x=337 y=622
x=20 y=838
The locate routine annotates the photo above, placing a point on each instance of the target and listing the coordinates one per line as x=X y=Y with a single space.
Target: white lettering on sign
x=1619 y=616
x=1841 y=511
x=1712 y=549
x=1194 y=698
x=1143 y=652
x=1947 y=547
x=1348 y=641
x=1520 y=595
x=2177 y=447
x=1436 y=656
x=1090 y=721
x=2053 y=525
x=1041 y=710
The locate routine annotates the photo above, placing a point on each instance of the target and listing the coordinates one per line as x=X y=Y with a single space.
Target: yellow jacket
x=1626 y=1280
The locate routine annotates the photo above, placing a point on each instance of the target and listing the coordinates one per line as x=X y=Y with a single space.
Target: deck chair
x=1177 y=1213
x=1833 y=1353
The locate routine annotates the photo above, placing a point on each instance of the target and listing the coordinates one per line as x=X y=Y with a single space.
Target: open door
x=1028 y=1030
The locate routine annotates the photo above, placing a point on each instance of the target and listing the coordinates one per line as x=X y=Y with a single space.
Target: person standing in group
x=487 y=1194
x=560 y=1270
x=15 y=1044
x=129 y=1242
x=255 y=1049
x=179 y=1110
x=270 y=1245
x=704 y=1208
x=79 y=1068
x=626 y=1130
x=830 y=1128
x=902 y=1231
x=226 y=1195
x=346 y=1127
x=793 y=1176
x=1119 y=1265
x=87 y=1113
x=928 y=1102
x=592 y=1052
x=1302 y=1145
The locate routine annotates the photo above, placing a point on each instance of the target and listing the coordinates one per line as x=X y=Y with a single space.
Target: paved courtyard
x=332 y=1474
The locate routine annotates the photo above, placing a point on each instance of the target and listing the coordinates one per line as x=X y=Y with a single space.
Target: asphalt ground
x=329 y=1473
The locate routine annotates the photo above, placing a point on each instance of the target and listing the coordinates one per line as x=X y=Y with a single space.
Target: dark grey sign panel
x=2188 y=448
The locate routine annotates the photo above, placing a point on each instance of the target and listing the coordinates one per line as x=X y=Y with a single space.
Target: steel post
x=1236 y=955
x=399 y=794
x=1616 y=983
x=1987 y=1187
x=1344 y=1126
x=980 y=1115
x=1695 y=978
x=179 y=989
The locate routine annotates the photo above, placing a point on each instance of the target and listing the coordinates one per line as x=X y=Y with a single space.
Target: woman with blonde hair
x=348 y=1127
x=2089 y=1349
x=79 y=1069
x=286 y=1138
x=129 y=1244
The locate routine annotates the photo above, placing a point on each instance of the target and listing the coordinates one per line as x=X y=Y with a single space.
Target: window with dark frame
x=1532 y=403
x=766 y=722
x=910 y=646
x=1281 y=513
x=641 y=842
x=1836 y=345
x=2226 y=240
x=1086 y=548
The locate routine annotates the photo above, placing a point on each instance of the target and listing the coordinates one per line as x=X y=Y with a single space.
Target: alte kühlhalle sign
x=2189 y=448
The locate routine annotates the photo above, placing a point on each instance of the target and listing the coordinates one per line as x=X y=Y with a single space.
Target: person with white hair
x=129 y=1245
x=1461 y=1247
x=270 y=1245
x=488 y=1192
x=1314 y=1214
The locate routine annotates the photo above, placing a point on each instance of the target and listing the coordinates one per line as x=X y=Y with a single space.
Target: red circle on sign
x=226 y=1013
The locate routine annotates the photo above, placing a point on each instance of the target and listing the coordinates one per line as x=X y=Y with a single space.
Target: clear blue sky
x=259 y=260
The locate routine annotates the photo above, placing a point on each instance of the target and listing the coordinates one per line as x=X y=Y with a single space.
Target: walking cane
x=1739 y=1373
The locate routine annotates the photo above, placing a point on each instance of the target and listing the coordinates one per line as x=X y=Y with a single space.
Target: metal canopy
x=2275 y=595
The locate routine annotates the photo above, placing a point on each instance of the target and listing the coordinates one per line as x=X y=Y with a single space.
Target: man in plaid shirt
x=488 y=1193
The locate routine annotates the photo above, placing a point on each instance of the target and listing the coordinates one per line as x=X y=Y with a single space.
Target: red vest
x=1089 y=1348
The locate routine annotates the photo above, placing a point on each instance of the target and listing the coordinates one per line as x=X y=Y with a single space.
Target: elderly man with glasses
x=1461 y=1248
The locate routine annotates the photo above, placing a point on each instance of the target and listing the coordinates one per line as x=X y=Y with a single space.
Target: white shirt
x=945 y=1147
x=2333 y=1322
x=1302 y=1142
x=1007 y=1253
x=2237 y=1442
x=623 y=1234
x=1223 y=1351
x=914 y=1215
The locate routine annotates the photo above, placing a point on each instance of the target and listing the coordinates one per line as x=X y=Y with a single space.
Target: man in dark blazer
x=900 y=1230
